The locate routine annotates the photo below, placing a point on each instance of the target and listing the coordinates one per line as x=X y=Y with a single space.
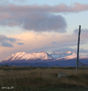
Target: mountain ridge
x=42 y=59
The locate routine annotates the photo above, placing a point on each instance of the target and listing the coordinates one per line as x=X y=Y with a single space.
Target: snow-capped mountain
x=72 y=56
x=41 y=56
x=29 y=56
x=44 y=59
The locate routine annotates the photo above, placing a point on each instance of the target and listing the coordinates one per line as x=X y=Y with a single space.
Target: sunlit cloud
x=33 y=41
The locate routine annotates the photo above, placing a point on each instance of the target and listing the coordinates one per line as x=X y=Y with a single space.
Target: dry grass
x=43 y=79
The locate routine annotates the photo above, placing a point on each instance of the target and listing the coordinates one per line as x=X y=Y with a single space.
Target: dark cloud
x=33 y=20
x=6 y=44
x=44 y=22
x=7 y=41
x=38 y=18
x=4 y=38
x=20 y=43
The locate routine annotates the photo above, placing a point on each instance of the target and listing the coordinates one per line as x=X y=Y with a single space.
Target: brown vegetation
x=43 y=79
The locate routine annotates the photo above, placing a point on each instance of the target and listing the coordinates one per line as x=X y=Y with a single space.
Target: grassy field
x=43 y=79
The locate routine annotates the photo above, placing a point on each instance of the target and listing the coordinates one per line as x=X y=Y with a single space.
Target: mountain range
x=44 y=59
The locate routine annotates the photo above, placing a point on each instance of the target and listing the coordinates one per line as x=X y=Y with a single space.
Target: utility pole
x=78 y=46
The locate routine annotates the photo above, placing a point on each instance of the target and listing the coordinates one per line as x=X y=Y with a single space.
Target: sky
x=42 y=25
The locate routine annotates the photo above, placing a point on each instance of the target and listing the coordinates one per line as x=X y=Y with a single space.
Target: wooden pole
x=78 y=46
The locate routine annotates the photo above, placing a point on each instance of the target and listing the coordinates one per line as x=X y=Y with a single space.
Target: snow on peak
x=71 y=56
x=69 y=52
x=29 y=56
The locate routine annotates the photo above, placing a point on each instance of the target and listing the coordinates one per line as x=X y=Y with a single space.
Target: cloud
x=47 y=41
x=84 y=34
x=45 y=22
x=20 y=43
x=76 y=7
x=4 y=38
x=66 y=41
x=6 y=44
x=38 y=18
x=32 y=41
x=8 y=41
x=30 y=19
x=36 y=41
x=70 y=40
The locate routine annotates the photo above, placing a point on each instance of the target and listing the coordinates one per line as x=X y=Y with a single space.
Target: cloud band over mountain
x=38 y=18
